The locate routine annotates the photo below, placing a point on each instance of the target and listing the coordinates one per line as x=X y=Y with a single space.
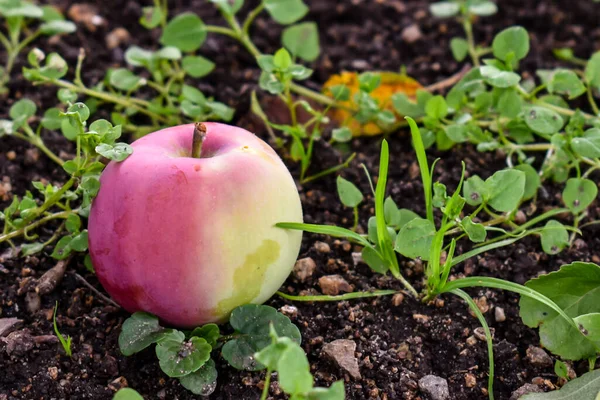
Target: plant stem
x=488 y=337
x=251 y=17
x=265 y=391
x=468 y=27
x=35 y=140
x=329 y=170
x=139 y=105
x=355 y=224
x=55 y=197
x=198 y=139
x=341 y=297
x=593 y=104
x=21 y=231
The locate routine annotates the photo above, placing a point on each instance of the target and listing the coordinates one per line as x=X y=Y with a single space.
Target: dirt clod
x=304 y=268
x=341 y=352
x=435 y=387
x=538 y=357
x=334 y=284
x=19 y=343
x=8 y=325
x=525 y=389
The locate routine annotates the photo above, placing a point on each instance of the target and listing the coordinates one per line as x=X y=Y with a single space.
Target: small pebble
x=397 y=299
x=411 y=34
x=322 y=247
x=538 y=357
x=499 y=314
x=470 y=380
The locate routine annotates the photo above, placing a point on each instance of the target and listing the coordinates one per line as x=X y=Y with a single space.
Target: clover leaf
x=251 y=324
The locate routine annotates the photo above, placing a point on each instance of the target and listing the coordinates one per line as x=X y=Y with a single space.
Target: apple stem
x=199 y=136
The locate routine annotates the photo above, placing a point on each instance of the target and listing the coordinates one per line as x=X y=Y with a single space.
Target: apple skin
x=189 y=239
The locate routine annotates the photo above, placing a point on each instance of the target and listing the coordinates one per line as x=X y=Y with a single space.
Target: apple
x=189 y=239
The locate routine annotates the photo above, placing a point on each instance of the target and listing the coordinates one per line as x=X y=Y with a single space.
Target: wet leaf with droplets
x=251 y=323
x=139 y=331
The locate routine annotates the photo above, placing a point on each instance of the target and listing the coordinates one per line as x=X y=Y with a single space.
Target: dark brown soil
x=396 y=344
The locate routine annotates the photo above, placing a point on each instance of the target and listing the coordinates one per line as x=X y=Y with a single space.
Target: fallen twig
x=106 y=299
x=450 y=81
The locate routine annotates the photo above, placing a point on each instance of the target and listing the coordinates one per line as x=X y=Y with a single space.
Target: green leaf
x=457 y=133
x=505 y=189
x=197 y=66
x=282 y=60
x=151 y=17
x=415 y=238
x=124 y=79
x=483 y=9
x=286 y=12
x=51 y=119
x=117 y=152
x=475 y=190
x=181 y=358
x=499 y=78
x=334 y=392
x=22 y=110
x=561 y=370
x=138 y=57
x=55 y=68
x=209 y=332
x=203 y=382
x=253 y=321
x=57 y=27
x=459 y=48
x=28 y=249
x=511 y=43
x=62 y=248
x=229 y=7
x=369 y=81
x=50 y=13
x=127 y=394
x=592 y=70
x=567 y=82
x=302 y=40
x=80 y=241
x=340 y=92
x=585 y=387
x=475 y=231
x=404 y=106
x=66 y=96
x=73 y=223
x=374 y=260
x=20 y=9
x=436 y=107
x=588 y=145
x=509 y=104
x=294 y=371
x=194 y=95
x=444 y=9
x=439 y=195
x=341 y=135
x=543 y=121
x=138 y=332
x=349 y=194
x=575 y=288
x=554 y=237
x=186 y=31
x=579 y=193
x=532 y=180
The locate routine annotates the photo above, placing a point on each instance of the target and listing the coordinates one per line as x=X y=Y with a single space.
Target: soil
x=398 y=340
